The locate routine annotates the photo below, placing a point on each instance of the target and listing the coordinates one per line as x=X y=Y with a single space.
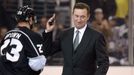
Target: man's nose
x=79 y=19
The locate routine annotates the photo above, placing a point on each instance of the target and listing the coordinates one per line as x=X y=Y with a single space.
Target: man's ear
x=88 y=16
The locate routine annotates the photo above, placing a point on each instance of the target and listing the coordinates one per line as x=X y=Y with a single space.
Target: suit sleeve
x=101 y=56
x=50 y=47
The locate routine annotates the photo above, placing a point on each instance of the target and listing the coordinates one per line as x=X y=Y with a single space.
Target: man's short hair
x=81 y=5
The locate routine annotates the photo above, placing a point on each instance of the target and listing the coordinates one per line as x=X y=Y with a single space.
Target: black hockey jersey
x=17 y=46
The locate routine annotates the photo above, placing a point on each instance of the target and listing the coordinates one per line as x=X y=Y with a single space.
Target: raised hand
x=50 y=24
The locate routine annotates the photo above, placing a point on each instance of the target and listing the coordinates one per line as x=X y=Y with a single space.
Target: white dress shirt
x=81 y=33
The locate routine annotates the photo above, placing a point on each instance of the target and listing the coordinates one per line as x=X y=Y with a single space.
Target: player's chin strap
x=36 y=63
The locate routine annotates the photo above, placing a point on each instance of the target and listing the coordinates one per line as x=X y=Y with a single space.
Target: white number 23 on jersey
x=13 y=55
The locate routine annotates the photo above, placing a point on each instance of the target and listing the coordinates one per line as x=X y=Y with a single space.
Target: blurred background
x=114 y=18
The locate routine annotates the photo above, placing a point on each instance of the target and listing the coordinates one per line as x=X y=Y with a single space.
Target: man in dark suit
x=84 y=49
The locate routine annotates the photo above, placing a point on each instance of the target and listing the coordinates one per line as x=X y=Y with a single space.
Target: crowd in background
x=107 y=16
x=116 y=34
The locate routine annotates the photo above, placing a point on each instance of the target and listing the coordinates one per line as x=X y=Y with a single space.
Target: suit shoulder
x=94 y=32
x=66 y=32
x=68 y=29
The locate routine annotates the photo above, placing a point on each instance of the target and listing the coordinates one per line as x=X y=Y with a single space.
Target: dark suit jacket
x=90 y=57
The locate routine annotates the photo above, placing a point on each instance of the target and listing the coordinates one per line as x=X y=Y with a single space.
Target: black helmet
x=24 y=13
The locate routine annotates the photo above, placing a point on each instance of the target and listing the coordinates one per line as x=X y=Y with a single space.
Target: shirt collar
x=82 y=30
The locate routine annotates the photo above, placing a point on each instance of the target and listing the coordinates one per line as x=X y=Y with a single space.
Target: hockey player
x=22 y=49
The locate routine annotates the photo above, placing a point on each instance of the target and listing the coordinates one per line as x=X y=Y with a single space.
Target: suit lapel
x=81 y=47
